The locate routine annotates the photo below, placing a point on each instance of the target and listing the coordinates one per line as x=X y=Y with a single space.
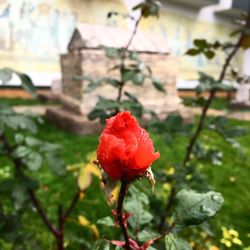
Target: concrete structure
x=86 y=58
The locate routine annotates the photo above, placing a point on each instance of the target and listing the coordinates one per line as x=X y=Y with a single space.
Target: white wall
x=209 y=13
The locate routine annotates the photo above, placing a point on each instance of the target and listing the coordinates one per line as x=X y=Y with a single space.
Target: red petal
x=109 y=152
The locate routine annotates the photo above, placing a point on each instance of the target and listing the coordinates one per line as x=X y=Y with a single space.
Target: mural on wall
x=32 y=28
x=34 y=32
x=38 y=31
x=180 y=31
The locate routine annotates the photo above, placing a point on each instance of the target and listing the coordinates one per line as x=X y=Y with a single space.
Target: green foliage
x=107 y=221
x=149 y=8
x=137 y=203
x=194 y=208
x=106 y=108
x=217 y=103
x=130 y=69
x=172 y=126
x=208 y=83
x=158 y=85
x=202 y=46
x=75 y=148
x=221 y=126
x=7 y=73
x=172 y=242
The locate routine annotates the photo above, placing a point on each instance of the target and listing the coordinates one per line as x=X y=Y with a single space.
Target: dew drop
x=215 y=197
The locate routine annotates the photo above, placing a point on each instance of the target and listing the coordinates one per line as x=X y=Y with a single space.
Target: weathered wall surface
x=34 y=33
x=93 y=62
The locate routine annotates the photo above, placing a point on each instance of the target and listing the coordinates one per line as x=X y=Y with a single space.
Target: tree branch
x=122 y=68
x=209 y=101
x=123 y=191
x=18 y=165
x=72 y=205
x=61 y=221
x=169 y=230
x=134 y=33
x=42 y=213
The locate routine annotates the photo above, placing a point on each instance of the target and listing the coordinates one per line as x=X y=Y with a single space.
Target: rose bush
x=125 y=150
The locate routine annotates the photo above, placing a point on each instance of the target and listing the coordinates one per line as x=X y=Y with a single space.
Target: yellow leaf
x=115 y=194
x=84 y=179
x=93 y=169
x=83 y=221
x=91 y=156
x=94 y=231
x=75 y=167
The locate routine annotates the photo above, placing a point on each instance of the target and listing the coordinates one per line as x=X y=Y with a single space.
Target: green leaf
x=18 y=121
x=138 y=203
x=135 y=107
x=201 y=43
x=21 y=151
x=158 y=85
x=10 y=229
x=235 y=32
x=194 y=208
x=174 y=122
x=209 y=54
x=19 y=138
x=6 y=186
x=193 y=52
x=130 y=96
x=132 y=75
x=34 y=161
x=101 y=245
x=20 y=196
x=172 y=242
x=27 y=83
x=206 y=82
x=133 y=55
x=107 y=221
x=92 y=84
x=105 y=104
x=5 y=75
x=56 y=164
x=112 y=52
x=138 y=78
x=145 y=235
x=32 y=142
x=149 y=8
x=96 y=113
x=222 y=86
x=113 y=82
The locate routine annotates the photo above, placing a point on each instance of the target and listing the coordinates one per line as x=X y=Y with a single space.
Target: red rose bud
x=125 y=150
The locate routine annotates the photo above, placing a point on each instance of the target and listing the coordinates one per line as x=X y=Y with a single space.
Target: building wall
x=34 y=33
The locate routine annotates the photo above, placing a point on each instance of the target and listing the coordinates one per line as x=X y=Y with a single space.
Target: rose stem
x=122 y=193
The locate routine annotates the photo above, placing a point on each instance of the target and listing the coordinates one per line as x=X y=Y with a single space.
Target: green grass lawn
x=25 y=101
x=231 y=179
x=218 y=103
